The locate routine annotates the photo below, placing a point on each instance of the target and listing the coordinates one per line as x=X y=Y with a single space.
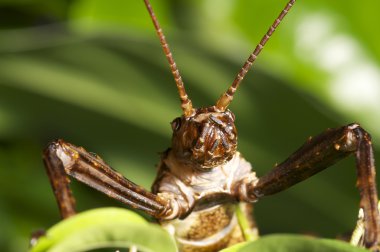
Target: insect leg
x=62 y=159
x=319 y=153
x=59 y=182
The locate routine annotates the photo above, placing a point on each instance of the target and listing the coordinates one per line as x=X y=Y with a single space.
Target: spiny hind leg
x=317 y=154
x=63 y=159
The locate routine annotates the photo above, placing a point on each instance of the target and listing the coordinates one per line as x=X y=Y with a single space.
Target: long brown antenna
x=227 y=97
x=186 y=104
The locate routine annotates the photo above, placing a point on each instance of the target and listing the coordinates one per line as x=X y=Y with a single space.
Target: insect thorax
x=207 y=206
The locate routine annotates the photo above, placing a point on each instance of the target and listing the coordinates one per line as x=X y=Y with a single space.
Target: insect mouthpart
x=207 y=139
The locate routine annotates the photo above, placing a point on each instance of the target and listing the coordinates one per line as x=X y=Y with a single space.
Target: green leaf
x=294 y=243
x=105 y=228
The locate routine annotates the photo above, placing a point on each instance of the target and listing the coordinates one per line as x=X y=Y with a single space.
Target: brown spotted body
x=204 y=197
x=202 y=180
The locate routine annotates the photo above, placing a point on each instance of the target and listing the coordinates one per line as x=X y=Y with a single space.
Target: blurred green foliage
x=92 y=72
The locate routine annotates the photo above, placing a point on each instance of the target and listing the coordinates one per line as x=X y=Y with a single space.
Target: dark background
x=93 y=73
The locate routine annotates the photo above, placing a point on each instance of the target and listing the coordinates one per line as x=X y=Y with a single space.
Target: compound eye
x=176 y=124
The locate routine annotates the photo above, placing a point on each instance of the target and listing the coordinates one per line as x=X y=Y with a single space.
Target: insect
x=203 y=180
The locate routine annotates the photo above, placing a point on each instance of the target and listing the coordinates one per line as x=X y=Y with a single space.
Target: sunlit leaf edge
x=293 y=243
x=105 y=227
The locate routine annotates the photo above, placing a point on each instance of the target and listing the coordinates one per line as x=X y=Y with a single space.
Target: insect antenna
x=226 y=98
x=186 y=104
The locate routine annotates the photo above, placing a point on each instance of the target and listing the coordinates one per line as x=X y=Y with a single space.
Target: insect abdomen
x=210 y=229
